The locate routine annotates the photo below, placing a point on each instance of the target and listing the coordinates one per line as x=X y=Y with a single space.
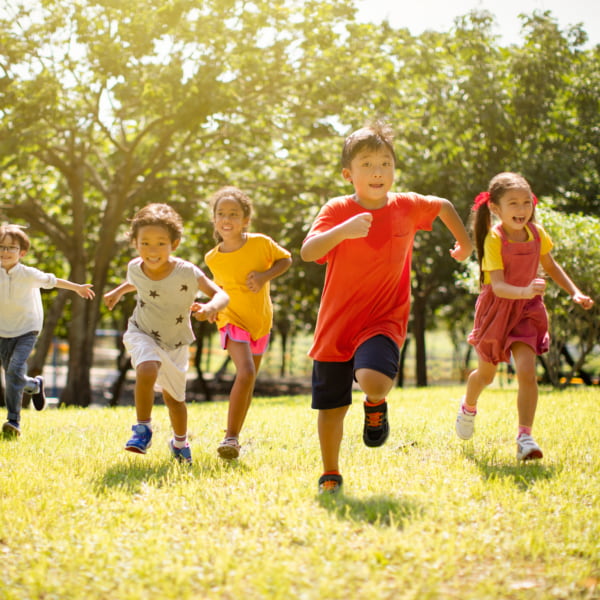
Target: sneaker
x=141 y=439
x=11 y=429
x=527 y=449
x=39 y=398
x=465 y=423
x=330 y=484
x=229 y=448
x=182 y=455
x=376 y=429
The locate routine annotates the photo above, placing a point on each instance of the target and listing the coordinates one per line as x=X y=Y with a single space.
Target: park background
x=106 y=107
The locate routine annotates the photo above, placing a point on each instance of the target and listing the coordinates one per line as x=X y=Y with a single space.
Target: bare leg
x=331 y=430
x=177 y=414
x=527 y=395
x=478 y=380
x=145 y=378
x=240 y=397
x=374 y=384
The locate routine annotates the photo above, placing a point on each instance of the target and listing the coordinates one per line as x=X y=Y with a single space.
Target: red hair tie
x=480 y=200
x=534 y=198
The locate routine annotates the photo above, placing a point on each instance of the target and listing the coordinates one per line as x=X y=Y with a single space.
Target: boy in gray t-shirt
x=159 y=332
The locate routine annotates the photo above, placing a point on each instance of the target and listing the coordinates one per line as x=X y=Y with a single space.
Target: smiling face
x=371 y=172
x=154 y=245
x=514 y=209
x=10 y=252
x=230 y=221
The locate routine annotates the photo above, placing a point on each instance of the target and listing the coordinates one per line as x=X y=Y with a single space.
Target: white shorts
x=172 y=373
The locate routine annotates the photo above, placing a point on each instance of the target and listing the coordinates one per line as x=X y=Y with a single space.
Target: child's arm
x=558 y=275
x=218 y=300
x=257 y=279
x=113 y=296
x=83 y=289
x=320 y=244
x=449 y=217
x=502 y=289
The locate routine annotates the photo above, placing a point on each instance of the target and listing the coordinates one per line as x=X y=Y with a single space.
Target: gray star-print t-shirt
x=163 y=307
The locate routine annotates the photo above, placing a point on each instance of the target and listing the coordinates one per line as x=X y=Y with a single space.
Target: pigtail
x=481 y=221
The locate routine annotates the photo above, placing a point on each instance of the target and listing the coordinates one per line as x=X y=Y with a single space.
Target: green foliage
x=577 y=250
x=424 y=517
x=106 y=106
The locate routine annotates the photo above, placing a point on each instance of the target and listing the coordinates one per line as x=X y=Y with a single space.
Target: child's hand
x=111 y=298
x=204 y=312
x=85 y=291
x=357 y=226
x=459 y=253
x=255 y=281
x=585 y=301
x=537 y=287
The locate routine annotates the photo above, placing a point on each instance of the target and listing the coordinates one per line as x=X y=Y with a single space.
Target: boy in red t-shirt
x=366 y=240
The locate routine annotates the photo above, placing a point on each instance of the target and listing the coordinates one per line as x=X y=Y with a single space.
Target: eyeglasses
x=9 y=248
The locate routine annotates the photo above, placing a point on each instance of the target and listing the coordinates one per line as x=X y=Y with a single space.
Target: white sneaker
x=527 y=449
x=229 y=448
x=465 y=423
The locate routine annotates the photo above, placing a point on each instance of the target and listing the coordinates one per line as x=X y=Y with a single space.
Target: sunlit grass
x=426 y=516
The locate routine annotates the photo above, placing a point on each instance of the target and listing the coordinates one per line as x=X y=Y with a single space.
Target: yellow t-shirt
x=492 y=250
x=249 y=310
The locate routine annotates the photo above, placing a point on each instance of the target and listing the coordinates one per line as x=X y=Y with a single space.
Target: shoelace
x=329 y=485
x=374 y=419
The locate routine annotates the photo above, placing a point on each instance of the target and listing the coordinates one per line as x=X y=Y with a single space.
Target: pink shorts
x=237 y=334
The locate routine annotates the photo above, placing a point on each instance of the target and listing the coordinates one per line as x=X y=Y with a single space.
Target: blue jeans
x=14 y=353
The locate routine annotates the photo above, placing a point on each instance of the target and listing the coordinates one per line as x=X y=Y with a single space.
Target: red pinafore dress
x=500 y=322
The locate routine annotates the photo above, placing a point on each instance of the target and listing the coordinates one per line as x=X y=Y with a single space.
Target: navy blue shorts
x=332 y=381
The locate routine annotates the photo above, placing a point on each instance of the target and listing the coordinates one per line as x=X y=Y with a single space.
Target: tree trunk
x=403 y=353
x=419 y=335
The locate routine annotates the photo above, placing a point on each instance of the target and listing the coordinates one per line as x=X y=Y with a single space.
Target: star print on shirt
x=155 y=334
x=153 y=294
x=179 y=320
x=142 y=304
x=184 y=287
x=178 y=344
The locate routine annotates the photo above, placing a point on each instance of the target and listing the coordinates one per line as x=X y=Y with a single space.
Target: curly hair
x=161 y=215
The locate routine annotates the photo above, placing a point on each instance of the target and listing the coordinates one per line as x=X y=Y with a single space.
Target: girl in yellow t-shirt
x=243 y=264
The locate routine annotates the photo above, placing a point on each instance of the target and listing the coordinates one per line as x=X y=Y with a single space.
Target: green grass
x=426 y=516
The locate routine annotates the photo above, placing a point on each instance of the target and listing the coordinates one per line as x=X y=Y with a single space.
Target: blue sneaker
x=11 y=429
x=182 y=455
x=141 y=439
x=39 y=398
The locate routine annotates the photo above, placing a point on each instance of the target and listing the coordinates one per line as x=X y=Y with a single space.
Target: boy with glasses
x=21 y=318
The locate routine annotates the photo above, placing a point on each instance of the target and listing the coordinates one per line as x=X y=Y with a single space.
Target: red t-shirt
x=367 y=282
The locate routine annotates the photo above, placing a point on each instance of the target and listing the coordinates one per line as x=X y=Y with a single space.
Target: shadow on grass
x=381 y=511
x=522 y=474
x=133 y=476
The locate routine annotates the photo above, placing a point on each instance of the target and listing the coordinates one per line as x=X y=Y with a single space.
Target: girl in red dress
x=510 y=316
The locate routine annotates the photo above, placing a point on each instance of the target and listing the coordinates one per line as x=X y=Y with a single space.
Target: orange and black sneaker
x=377 y=428
x=330 y=483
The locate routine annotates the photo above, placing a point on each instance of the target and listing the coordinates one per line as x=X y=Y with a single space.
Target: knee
x=374 y=384
x=147 y=371
x=527 y=377
x=246 y=373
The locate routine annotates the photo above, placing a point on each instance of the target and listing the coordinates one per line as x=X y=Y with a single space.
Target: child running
x=366 y=239
x=243 y=264
x=510 y=316
x=21 y=319
x=159 y=332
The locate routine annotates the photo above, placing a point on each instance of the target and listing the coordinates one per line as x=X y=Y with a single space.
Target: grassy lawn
x=426 y=516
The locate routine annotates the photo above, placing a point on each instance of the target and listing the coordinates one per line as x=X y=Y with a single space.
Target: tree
x=107 y=106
